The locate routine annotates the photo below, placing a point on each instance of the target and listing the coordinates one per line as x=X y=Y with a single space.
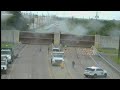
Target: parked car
x=95 y=72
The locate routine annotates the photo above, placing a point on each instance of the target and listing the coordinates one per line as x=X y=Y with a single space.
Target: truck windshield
x=58 y=56
x=5 y=52
x=56 y=50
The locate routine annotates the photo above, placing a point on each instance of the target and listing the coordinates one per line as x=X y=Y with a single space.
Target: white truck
x=8 y=53
x=55 y=49
x=57 y=58
x=4 y=63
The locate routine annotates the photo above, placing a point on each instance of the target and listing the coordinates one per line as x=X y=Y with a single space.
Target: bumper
x=86 y=74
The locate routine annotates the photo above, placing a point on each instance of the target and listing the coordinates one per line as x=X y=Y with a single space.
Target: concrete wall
x=73 y=40
x=106 y=41
x=36 y=38
x=10 y=36
x=57 y=38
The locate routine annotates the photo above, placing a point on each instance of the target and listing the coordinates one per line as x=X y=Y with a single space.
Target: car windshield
x=5 y=52
x=89 y=69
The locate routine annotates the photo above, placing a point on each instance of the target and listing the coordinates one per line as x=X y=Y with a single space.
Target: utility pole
x=33 y=20
x=119 y=49
x=97 y=16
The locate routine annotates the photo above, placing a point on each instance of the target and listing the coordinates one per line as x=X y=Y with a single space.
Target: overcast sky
x=109 y=15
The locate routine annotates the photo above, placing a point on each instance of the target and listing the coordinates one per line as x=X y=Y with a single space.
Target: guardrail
x=97 y=53
x=18 y=48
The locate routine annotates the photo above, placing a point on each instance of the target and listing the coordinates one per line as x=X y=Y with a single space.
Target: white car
x=94 y=72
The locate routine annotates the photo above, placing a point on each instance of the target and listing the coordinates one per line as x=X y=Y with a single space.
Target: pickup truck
x=4 y=63
x=8 y=52
x=57 y=58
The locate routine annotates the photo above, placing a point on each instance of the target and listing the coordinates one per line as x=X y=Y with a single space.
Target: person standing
x=73 y=64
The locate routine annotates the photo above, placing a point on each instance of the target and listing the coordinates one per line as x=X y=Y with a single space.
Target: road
x=34 y=63
x=31 y=64
x=85 y=58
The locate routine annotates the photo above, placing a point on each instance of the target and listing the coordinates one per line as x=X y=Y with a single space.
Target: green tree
x=16 y=21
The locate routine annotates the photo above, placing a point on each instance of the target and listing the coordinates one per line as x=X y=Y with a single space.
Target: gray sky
x=109 y=15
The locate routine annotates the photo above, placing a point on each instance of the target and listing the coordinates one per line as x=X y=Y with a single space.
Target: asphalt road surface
x=34 y=63
x=31 y=64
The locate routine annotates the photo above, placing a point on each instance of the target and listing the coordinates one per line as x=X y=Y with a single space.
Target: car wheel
x=95 y=75
x=86 y=76
x=105 y=75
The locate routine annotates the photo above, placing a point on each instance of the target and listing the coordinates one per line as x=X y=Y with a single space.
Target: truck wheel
x=10 y=62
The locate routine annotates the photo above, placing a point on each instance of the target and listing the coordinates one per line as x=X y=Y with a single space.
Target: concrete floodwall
x=73 y=40
x=107 y=41
x=10 y=36
x=36 y=38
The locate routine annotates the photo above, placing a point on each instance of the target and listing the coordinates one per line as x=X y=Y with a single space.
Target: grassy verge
x=108 y=51
x=7 y=45
x=111 y=51
x=115 y=59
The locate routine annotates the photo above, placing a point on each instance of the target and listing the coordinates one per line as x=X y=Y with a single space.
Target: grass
x=7 y=45
x=115 y=58
x=108 y=51
x=111 y=51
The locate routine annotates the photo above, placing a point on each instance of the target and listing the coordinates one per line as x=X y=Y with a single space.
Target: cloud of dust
x=114 y=32
x=95 y=25
x=79 y=30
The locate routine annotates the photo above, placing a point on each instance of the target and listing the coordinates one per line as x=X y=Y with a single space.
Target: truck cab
x=8 y=53
x=55 y=49
x=57 y=58
x=4 y=63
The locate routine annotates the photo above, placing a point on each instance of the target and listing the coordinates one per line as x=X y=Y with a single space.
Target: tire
x=105 y=75
x=95 y=75
x=10 y=62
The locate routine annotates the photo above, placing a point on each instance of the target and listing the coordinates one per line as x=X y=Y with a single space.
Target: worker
x=73 y=64
x=65 y=47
